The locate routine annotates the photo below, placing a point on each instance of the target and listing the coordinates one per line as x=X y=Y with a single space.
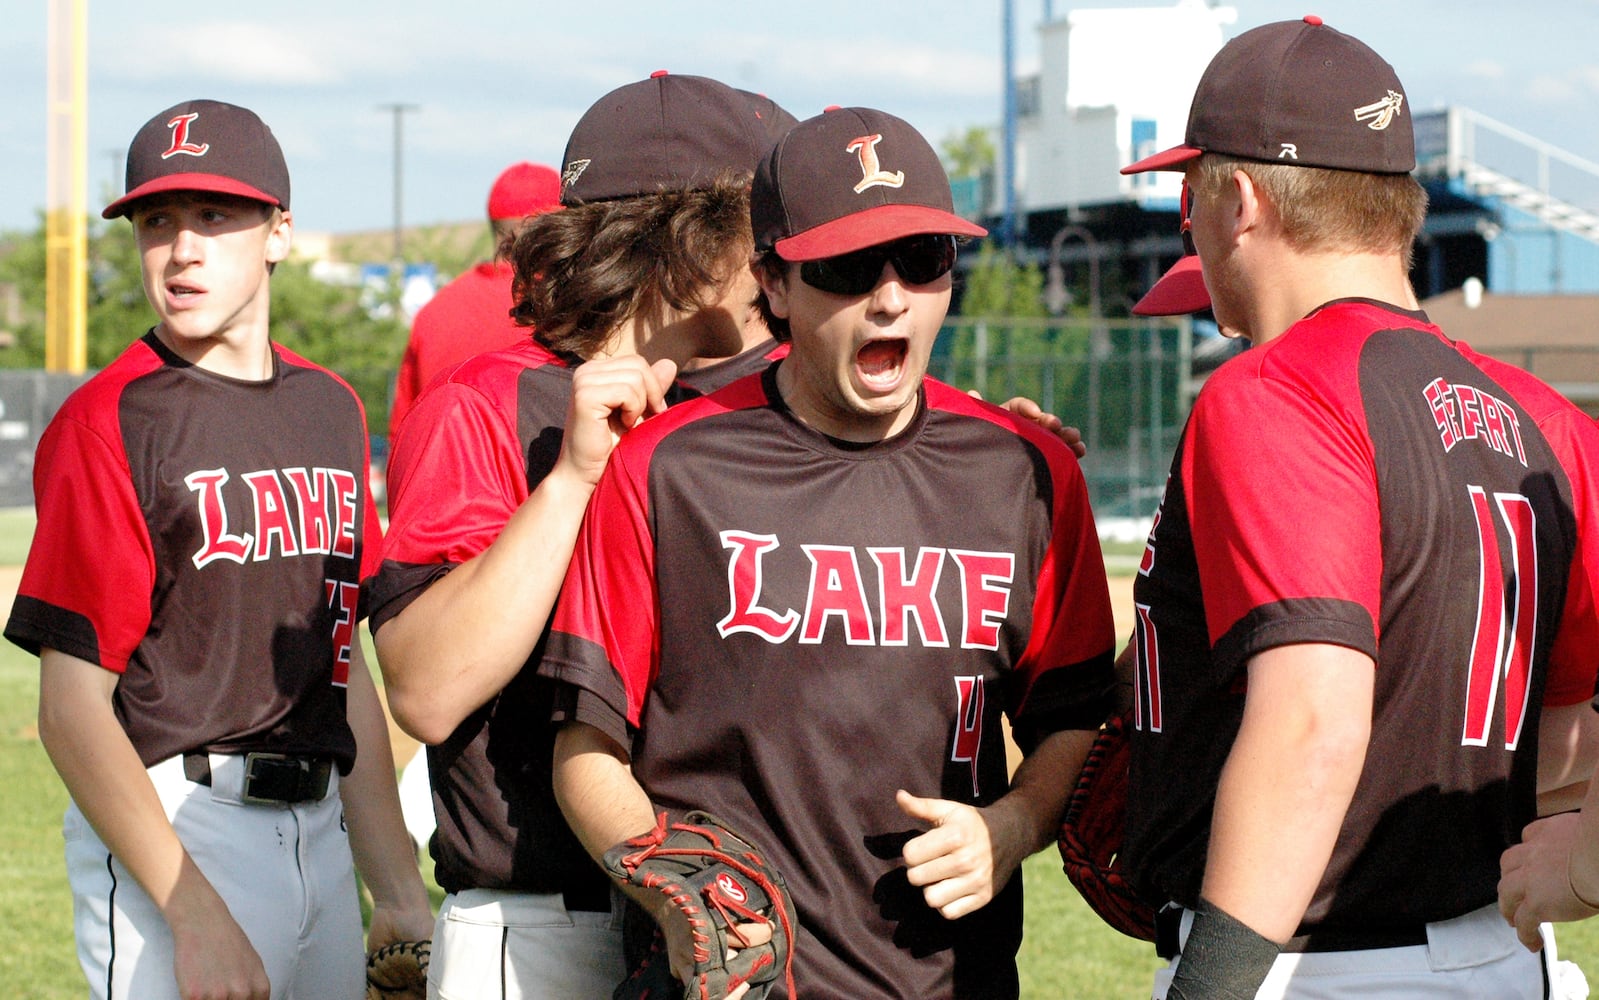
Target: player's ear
x=1245 y=204
x=280 y=235
x=773 y=275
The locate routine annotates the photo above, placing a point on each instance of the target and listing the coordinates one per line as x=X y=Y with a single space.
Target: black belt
x=270 y=777
x=584 y=901
x=1169 y=925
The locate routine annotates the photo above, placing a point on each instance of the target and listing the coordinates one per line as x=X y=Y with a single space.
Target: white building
x=1113 y=86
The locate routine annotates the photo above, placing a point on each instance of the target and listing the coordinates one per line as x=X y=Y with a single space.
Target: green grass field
x=1067 y=952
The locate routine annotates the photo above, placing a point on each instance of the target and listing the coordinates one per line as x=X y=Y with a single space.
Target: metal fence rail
x=1126 y=384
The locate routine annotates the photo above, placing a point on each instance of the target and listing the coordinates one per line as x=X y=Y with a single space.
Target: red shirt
x=470 y=315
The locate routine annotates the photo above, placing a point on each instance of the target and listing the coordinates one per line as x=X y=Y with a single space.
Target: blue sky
x=502 y=80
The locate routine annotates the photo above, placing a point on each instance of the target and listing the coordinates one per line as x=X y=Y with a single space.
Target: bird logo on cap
x=573 y=171
x=865 y=147
x=1381 y=113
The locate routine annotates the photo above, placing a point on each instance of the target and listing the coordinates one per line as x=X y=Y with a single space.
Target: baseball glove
x=398 y=971
x=717 y=880
x=1090 y=838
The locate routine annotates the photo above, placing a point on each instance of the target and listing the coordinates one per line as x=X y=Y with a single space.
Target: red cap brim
x=214 y=183
x=882 y=224
x=1179 y=291
x=1175 y=158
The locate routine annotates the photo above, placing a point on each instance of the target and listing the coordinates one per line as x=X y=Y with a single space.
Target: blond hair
x=1330 y=210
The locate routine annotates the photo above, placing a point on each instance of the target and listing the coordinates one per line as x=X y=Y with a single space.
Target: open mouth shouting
x=880 y=364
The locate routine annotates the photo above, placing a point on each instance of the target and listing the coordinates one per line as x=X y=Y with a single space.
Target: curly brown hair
x=583 y=271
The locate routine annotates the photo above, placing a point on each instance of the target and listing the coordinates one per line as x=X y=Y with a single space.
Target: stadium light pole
x=1007 y=226
x=398 y=111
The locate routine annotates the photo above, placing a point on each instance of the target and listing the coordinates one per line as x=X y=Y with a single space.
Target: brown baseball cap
x=774 y=119
x=205 y=146
x=847 y=179
x=1300 y=93
x=666 y=133
x=1179 y=291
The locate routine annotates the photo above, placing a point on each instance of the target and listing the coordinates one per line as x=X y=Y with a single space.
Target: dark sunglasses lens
x=921 y=259
x=917 y=260
x=849 y=274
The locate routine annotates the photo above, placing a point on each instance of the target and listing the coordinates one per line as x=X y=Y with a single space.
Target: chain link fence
x=1125 y=384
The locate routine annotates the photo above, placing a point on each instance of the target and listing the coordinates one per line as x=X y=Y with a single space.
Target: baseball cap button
x=1313 y=20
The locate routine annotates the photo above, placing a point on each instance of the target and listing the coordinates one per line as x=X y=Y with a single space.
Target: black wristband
x=1222 y=959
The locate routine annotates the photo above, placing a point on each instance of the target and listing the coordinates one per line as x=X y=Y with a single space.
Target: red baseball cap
x=204 y=146
x=1299 y=93
x=524 y=189
x=1179 y=291
x=847 y=179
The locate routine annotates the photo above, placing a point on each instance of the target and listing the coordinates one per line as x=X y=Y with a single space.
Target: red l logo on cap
x=180 y=137
x=866 y=148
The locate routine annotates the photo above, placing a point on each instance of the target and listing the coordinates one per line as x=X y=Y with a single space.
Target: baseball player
x=193 y=595
x=1366 y=588
x=472 y=314
x=804 y=602
x=644 y=269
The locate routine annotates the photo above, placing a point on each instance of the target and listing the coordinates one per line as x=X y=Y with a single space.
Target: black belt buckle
x=275 y=777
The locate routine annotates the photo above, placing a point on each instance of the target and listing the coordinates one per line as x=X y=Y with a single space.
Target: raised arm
x=463 y=639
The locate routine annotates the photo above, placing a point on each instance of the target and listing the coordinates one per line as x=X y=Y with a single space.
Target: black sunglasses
x=916 y=259
x=1185 y=209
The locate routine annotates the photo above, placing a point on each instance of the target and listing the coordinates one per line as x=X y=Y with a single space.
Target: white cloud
x=239 y=52
x=1548 y=89
x=1487 y=69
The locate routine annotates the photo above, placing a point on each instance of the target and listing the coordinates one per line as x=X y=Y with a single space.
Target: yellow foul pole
x=66 y=231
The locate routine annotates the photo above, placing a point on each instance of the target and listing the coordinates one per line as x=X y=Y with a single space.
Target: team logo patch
x=865 y=148
x=1378 y=115
x=573 y=171
x=731 y=888
x=180 y=138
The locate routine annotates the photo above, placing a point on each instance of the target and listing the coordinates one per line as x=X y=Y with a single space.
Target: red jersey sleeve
x=85 y=589
x=1281 y=490
x=606 y=622
x=455 y=476
x=1574 y=660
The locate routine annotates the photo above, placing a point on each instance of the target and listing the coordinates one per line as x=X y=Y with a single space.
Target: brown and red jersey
x=478 y=443
x=1364 y=481
x=204 y=538
x=786 y=628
